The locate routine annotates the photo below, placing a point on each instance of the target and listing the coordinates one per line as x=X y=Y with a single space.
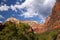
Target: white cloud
x=13 y=8
x=37 y=6
x=1 y=16
x=28 y=14
x=49 y=3
x=4 y=8
x=32 y=6
x=42 y=21
x=46 y=1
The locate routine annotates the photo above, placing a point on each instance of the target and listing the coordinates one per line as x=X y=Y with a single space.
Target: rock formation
x=53 y=21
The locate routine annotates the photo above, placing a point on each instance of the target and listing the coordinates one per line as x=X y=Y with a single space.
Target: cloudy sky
x=37 y=10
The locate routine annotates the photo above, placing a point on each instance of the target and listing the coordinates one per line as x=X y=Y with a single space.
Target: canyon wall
x=53 y=21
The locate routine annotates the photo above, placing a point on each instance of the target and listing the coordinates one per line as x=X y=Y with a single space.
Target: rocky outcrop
x=16 y=21
x=13 y=20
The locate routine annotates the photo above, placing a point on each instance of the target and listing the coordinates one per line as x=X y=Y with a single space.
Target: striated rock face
x=54 y=19
x=56 y=11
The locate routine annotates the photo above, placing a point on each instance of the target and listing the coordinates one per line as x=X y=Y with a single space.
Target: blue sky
x=37 y=10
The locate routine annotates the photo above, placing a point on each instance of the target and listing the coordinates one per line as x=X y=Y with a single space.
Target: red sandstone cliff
x=53 y=21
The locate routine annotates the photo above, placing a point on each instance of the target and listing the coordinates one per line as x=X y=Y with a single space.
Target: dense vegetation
x=12 y=31
x=20 y=31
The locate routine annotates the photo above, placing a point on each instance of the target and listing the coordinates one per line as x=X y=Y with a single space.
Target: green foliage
x=24 y=33
x=19 y=32
x=8 y=31
x=49 y=35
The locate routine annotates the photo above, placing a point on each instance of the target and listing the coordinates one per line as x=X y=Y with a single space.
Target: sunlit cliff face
x=56 y=10
x=55 y=14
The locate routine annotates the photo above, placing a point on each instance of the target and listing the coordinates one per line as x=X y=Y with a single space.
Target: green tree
x=19 y=32
x=8 y=32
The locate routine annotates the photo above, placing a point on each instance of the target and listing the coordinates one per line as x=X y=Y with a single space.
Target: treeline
x=22 y=31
